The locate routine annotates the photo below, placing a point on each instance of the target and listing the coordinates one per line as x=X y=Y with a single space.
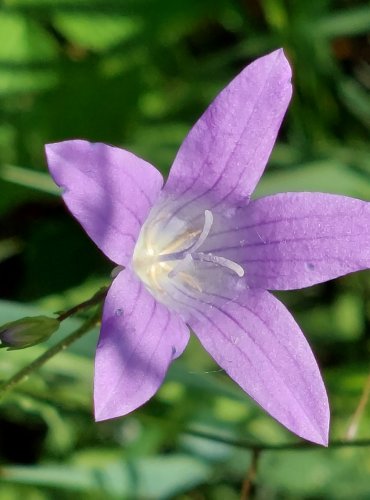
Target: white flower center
x=168 y=257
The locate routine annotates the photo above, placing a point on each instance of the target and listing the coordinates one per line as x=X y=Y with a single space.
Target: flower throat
x=168 y=255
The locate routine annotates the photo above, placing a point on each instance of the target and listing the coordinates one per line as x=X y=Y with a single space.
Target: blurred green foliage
x=138 y=73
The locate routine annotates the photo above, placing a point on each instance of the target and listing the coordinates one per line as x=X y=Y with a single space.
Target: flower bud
x=27 y=332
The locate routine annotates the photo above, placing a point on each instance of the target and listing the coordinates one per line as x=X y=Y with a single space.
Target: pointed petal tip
x=53 y=147
x=107 y=409
x=317 y=430
x=278 y=56
x=277 y=53
x=318 y=434
x=314 y=429
x=100 y=414
x=53 y=150
x=325 y=442
x=280 y=52
x=49 y=148
x=285 y=63
x=99 y=411
x=325 y=433
x=321 y=439
x=99 y=417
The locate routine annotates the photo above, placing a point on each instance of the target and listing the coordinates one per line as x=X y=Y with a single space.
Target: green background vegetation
x=138 y=73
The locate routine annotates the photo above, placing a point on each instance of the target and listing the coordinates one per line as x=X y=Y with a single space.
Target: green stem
x=356 y=418
x=95 y=299
x=258 y=447
x=25 y=372
x=249 y=481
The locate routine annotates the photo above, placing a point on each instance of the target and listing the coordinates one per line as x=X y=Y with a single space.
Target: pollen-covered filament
x=168 y=255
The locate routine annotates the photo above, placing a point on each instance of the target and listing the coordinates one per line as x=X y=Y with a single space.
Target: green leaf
x=26 y=55
x=26 y=177
x=356 y=99
x=346 y=22
x=150 y=478
x=23 y=41
x=330 y=474
x=329 y=176
x=95 y=30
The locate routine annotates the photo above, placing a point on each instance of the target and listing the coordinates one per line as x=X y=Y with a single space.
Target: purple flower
x=200 y=252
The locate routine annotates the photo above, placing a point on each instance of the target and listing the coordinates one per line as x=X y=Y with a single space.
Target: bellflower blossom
x=199 y=252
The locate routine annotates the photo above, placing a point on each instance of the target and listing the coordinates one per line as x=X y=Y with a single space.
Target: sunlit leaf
x=157 y=477
x=94 y=30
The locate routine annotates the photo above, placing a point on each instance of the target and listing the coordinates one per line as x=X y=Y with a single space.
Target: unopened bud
x=27 y=332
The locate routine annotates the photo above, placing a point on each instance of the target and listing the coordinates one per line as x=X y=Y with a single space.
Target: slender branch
x=240 y=443
x=25 y=372
x=248 y=483
x=95 y=299
x=356 y=417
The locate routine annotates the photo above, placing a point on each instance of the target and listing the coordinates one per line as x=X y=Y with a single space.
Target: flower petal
x=294 y=240
x=139 y=339
x=109 y=190
x=258 y=343
x=226 y=151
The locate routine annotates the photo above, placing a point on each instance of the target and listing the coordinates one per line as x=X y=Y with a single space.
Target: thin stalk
x=240 y=443
x=25 y=372
x=356 y=418
x=249 y=481
x=95 y=299
x=258 y=446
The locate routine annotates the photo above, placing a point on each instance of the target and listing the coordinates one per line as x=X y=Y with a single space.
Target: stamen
x=168 y=253
x=222 y=261
x=166 y=256
x=178 y=242
x=191 y=281
x=181 y=266
x=208 y=221
x=179 y=270
x=188 y=235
